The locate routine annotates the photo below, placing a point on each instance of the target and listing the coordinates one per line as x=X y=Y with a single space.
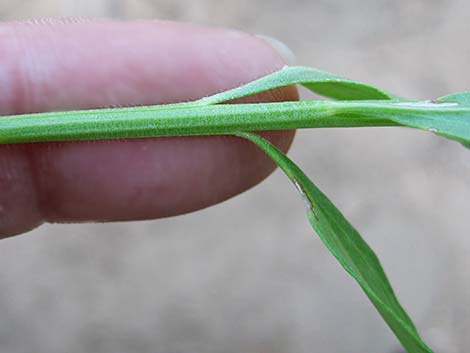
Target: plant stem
x=197 y=118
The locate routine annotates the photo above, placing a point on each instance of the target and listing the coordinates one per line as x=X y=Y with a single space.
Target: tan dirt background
x=248 y=275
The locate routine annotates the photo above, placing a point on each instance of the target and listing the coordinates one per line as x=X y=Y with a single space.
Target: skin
x=53 y=65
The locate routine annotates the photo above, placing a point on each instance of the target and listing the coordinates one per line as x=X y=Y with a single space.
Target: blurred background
x=249 y=275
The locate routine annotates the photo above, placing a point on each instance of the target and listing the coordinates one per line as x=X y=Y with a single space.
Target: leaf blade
x=449 y=119
x=318 y=81
x=346 y=244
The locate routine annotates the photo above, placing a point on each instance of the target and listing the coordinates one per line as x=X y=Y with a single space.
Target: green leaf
x=450 y=119
x=346 y=244
x=462 y=98
x=321 y=82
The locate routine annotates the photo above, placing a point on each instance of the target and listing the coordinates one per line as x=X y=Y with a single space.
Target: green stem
x=200 y=119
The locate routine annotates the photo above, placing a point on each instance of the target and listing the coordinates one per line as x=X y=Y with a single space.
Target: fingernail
x=282 y=49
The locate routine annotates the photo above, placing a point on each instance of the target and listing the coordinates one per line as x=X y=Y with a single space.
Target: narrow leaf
x=321 y=82
x=450 y=119
x=346 y=244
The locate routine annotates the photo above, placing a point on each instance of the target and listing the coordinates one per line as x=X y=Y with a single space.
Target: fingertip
x=281 y=48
